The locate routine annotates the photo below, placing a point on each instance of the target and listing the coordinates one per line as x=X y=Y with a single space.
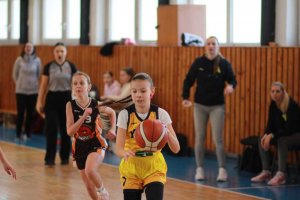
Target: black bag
x=250 y=159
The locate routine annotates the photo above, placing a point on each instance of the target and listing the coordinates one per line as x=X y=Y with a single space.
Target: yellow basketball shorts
x=136 y=172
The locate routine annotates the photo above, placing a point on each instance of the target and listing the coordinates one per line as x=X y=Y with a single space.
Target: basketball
x=151 y=135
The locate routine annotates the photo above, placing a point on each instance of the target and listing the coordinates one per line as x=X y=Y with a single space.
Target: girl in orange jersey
x=89 y=146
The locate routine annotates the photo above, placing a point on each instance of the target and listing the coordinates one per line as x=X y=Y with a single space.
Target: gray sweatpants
x=216 y=114
x=283 y=144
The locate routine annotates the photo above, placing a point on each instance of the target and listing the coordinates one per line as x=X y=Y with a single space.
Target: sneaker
x=222 y=176
x=24 y=138
x=103 y=194
x=199 y=174
x=265 y=175
x=278 y=179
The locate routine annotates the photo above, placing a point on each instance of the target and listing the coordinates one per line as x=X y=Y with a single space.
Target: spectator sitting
x=283 y=130
x=119 y=102
x=111 y=87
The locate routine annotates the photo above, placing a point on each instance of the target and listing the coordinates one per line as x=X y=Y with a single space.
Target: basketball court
x=35 y=181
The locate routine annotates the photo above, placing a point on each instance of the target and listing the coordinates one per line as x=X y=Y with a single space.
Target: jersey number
x=88 y=119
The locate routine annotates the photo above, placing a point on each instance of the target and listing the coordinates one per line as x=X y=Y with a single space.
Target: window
x=216 y=18
x=148 y=20
x=233 y=21
x=133 y=19
x=4 y=19
x=10 y=20
x=15 y=19
x=246 y=21
x=122 y=19
x=61 y=20
x=52 y=22
x=73 y=19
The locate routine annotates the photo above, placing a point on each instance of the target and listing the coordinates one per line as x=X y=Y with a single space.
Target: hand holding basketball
x=151 y=135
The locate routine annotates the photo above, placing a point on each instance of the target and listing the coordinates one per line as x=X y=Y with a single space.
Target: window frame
x=138 y=28
x=137 y=21
x=9 y=40
x=229 y=39
x=64 y=39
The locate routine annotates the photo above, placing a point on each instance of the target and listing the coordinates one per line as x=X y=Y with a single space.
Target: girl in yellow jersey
x=146 y=172
x=83 y=122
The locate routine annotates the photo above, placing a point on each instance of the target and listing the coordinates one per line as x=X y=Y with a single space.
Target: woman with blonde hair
x=282 y=130
x=215 y=79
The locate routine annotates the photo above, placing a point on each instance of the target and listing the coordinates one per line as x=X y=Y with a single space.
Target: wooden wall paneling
x=257 y=109
x=273 y=69
x=248 y=84
x=242 y=130
x=232 y=115
x=269 y=67
x=237 y=95
x=290 y=71
x=296 y=76
x=263 y=93
x=279 y=75
x=99 y=70
x=173 y=53
x=10 y=54
x=252 y=91
x=285 y=67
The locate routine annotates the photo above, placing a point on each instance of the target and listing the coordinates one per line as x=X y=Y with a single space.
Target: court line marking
x=212 y=187
x=265 y=186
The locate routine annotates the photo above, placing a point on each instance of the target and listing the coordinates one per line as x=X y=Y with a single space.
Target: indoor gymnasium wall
x=246 y=110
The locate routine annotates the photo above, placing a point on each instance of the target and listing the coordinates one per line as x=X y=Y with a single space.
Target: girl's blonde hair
x=283 y=106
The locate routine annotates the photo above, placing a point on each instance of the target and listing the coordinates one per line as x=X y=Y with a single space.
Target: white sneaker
x=278 y=179
x=103 y=194
x=199 y=174
x=222 y=176
x=265 y=175
x=24 y=138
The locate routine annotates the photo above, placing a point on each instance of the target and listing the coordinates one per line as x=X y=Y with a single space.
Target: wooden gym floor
x=37 y=182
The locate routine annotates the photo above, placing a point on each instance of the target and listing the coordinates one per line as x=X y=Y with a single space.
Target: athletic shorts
x=84 y=148
x=136 y=172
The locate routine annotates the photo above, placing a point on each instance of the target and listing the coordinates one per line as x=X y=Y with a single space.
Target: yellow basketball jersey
x=133 y=121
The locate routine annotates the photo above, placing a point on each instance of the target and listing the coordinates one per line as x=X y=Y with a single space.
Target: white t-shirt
x=163 y=116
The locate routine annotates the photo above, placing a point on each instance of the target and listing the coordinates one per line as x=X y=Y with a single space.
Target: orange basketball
x=151 y=135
